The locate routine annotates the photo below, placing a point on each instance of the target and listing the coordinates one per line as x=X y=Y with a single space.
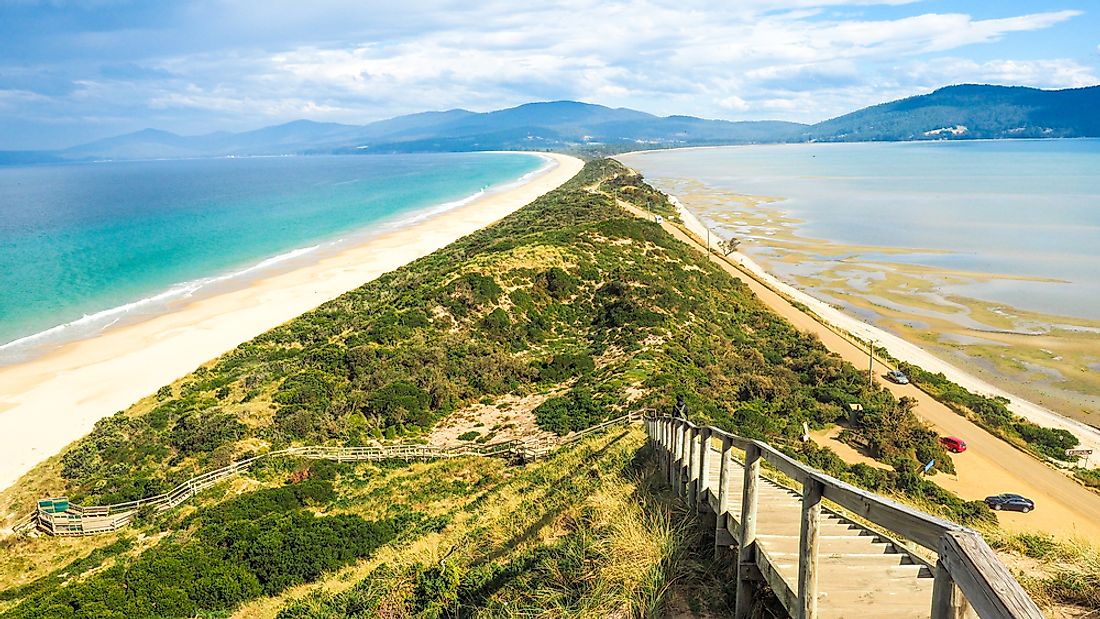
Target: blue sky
x=72 y=71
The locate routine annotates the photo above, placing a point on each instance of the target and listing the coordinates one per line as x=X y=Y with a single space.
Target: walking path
x=56 y=516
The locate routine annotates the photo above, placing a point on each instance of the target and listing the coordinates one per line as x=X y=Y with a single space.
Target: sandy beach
x=48 y=402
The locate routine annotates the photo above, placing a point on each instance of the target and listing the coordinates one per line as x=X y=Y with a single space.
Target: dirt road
x=989 y=466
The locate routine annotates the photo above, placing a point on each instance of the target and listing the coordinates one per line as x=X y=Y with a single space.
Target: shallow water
x=1018 y=207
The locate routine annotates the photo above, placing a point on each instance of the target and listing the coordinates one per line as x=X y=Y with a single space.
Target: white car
x=898 y=377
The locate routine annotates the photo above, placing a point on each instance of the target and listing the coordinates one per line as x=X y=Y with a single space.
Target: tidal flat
x=1046 y=358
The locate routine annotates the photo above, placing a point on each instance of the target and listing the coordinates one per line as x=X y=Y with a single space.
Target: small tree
x=728 y=246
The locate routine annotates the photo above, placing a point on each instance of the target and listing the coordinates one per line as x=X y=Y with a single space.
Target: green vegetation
x=1090 y=477
x=569 y=293
x=437 y=539
x=58 y=577
x=605 y=543
x=993 y=415
x=257 y=544
x=631 y=187
x=1069 y=573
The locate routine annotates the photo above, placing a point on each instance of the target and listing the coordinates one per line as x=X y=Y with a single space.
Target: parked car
x=898 y=377
x=1010 y=502
x=953 y=444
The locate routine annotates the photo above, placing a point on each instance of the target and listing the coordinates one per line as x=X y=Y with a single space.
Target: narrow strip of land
x=989 y=466
x=48 y=402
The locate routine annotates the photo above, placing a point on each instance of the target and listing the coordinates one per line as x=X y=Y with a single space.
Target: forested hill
x=971 y=111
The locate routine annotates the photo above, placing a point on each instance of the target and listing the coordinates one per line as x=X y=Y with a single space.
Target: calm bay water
x=1018 y=207
x=89 y=243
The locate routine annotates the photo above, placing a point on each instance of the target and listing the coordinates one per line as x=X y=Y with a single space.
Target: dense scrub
x=993 y=415
x=257 y=544
x=631 y=187
x=589 y=531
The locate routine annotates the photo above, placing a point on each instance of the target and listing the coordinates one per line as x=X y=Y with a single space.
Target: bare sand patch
x=508 y=418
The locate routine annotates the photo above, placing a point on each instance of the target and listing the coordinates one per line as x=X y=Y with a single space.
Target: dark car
x=898 y=377
x=1010 y=502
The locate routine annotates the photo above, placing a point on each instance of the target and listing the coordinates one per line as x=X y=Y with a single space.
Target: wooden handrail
x=967 y=570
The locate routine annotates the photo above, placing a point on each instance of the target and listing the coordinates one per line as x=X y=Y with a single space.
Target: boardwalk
x=56 y=516
x=819 y=562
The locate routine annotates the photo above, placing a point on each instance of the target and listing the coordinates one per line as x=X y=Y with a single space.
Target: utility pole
x=871 y=362
x=708 y=244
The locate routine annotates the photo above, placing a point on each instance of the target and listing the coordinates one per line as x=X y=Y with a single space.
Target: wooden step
x=861 y=574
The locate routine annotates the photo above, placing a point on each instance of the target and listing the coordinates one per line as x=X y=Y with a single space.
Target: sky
x=77 y=70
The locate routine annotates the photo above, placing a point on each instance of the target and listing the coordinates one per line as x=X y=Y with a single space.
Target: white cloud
x=1053 y=73
x=733 y=102
x=661 y=56
x=355 y=62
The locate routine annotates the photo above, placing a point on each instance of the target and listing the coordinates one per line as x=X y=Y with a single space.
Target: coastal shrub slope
x=258 y=544
x=589 y=531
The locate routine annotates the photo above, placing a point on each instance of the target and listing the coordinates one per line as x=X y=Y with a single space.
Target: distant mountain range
x=955 y=112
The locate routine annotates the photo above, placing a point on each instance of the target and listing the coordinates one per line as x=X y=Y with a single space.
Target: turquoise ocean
x=1016 y=207
x=83 y=246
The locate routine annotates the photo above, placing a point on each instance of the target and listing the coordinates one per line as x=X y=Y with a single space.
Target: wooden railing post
x=666 y=448
x=704 y=467
x=947 y=600
x=693 y=466
x=670 y=455
x=807 y=548
x=725 y=466
x=984 y=582
x=679 y=434
x=746 y=553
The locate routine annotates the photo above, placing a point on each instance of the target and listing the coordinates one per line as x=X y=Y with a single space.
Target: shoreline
x=898 y=347
x=51 y=400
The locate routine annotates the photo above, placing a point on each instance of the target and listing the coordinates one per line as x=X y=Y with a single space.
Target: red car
x=953 y=444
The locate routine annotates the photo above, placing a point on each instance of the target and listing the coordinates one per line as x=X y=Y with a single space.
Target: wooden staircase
x=820 y=562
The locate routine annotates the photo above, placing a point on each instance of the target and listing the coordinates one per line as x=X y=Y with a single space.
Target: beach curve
x=50 y=401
